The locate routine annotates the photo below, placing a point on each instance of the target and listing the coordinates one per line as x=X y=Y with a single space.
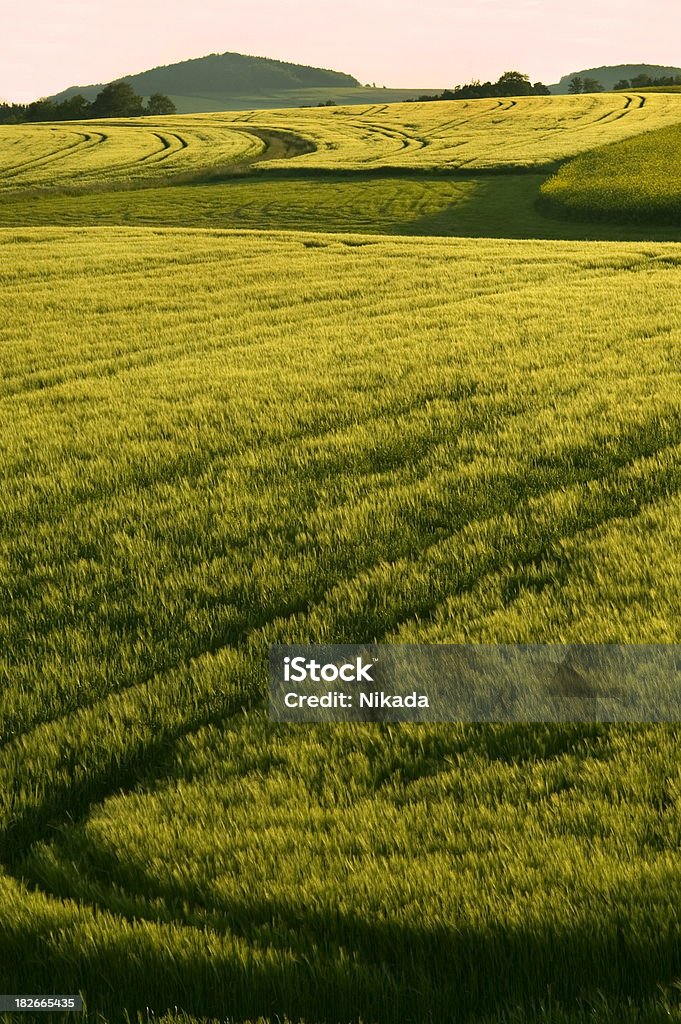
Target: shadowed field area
x=479 y=206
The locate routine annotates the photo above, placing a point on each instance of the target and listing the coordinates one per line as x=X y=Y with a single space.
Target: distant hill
x=215 y=81
x=611 y=74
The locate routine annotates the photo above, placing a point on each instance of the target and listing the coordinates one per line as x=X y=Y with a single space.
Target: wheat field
x=216 y=436
x=633 y=181
x=216 y=441
x=530 y=132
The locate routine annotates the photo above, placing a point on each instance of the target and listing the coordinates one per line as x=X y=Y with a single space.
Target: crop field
x=480 y=206
x=530 y=132
x=327 y=203
x=662 y=88
x=344 y=95
x=116 y=152
x=520 y=133
x=216 y=441
x=239 y=409
x=634 y=181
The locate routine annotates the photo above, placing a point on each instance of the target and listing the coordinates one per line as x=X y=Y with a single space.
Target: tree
x=639 y=81
x=514 y=77
x=592 y=85
x=623 y=84
x=576 y=84
x=513 y=83
x=41 y=110
x=118 y=99
x=74 y=109
x=160 y=104
x=8 y=112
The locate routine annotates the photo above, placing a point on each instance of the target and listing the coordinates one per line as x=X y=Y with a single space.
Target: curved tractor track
x=127 y=154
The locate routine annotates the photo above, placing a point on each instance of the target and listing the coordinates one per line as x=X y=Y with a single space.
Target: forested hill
x=609 y=75
x=225 y=74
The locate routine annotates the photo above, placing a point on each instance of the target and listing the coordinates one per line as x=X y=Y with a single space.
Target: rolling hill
x=610 y=74
x=233 y=73
x=235 y=81
x=530 y=133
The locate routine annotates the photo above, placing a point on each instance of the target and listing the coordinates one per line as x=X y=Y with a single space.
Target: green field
x=217 y=435
x=493 y=134
x=661 y=88
x=634 y=181
x=480 y=206
x=111 y=153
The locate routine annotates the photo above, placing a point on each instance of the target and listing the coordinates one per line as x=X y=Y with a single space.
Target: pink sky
x=47 y=45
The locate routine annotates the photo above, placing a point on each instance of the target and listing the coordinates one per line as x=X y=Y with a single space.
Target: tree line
x=511 y=83
x=642 y=81
x=579 y=84
x=118 y=99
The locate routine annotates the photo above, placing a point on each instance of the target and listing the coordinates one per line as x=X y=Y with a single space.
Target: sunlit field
x=116 y=152
x=478 y=134
x=526 y=132
x=326 y=375
x=635 y=181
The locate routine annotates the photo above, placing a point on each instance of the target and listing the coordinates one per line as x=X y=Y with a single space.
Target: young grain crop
x=530 y=132
x=490 y=134
x=117 y=152
x=485 y=206
x=211 y=441
x=634 y=181
x=390 y=867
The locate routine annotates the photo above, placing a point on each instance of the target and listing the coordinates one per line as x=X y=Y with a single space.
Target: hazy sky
x=46 y=45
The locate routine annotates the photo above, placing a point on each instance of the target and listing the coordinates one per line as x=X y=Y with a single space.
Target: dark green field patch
x=483 y=205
